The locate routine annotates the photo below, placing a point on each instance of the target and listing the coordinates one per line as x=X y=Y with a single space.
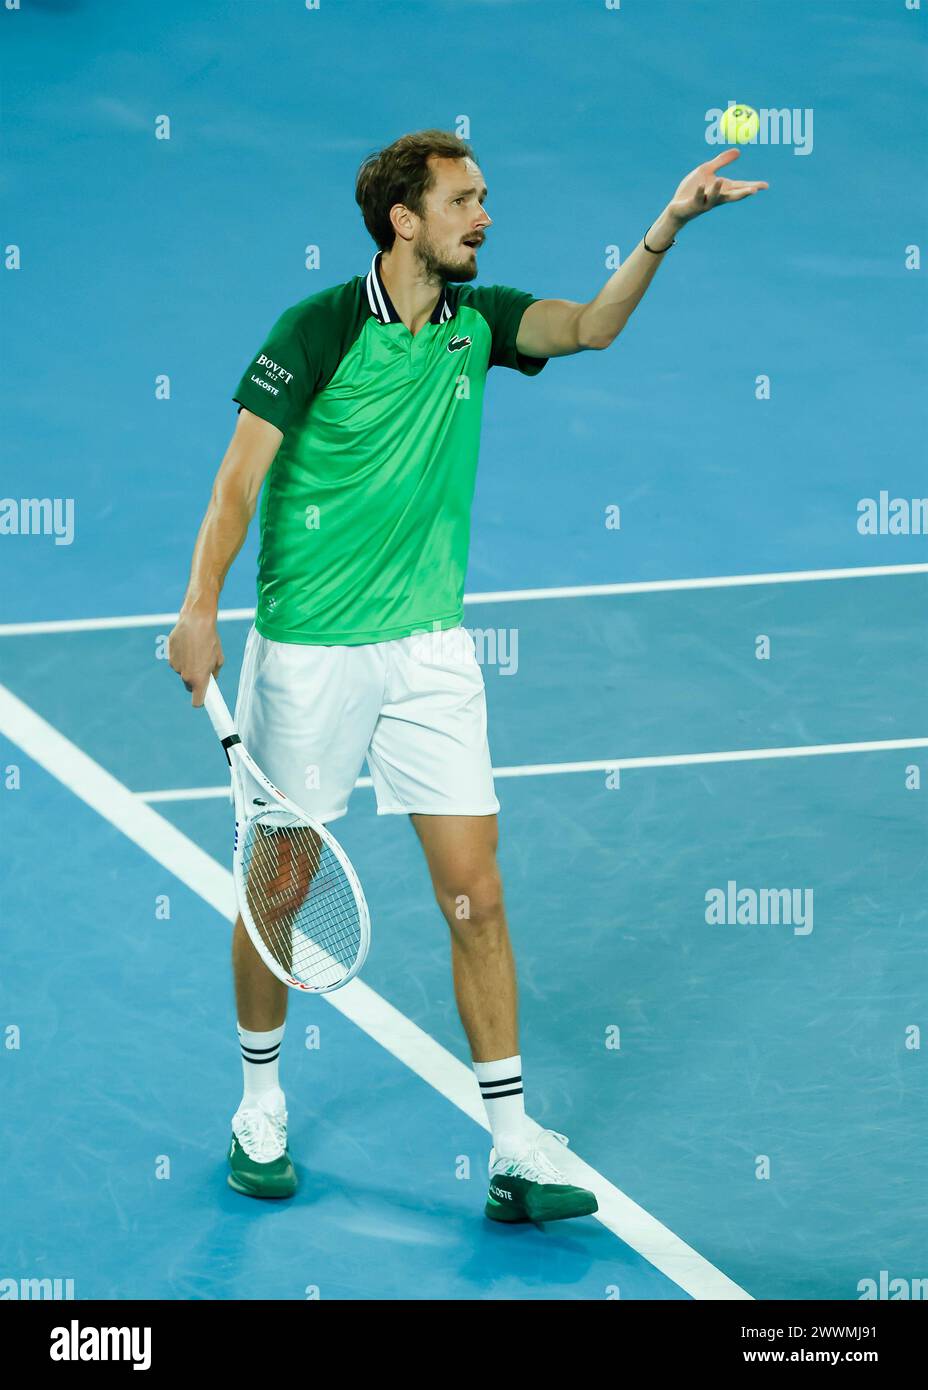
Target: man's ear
x=403 y=221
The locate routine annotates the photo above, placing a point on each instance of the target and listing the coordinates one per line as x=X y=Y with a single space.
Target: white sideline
x=647 y=586
x=737 y=755
x=401 y=1037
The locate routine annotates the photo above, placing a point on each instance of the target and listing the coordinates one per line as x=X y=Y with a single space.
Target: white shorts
x=415 y=707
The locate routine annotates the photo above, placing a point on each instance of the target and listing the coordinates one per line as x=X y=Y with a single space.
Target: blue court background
x=142 y=257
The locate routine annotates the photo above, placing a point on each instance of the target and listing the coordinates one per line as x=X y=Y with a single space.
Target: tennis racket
x=299 y=896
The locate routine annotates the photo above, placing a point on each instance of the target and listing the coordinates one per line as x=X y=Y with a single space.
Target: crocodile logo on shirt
x=455 y=343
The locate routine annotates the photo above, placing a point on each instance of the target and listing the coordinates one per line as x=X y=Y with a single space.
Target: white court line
x=357 y=1002
x=738 y=755
x=648 y=586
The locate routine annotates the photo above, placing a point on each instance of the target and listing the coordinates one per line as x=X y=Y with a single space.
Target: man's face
x=455 y=223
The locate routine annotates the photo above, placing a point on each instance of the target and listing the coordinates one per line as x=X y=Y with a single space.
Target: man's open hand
x=702 y=189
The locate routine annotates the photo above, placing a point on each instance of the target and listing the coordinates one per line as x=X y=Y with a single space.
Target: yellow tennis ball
x=740 y=124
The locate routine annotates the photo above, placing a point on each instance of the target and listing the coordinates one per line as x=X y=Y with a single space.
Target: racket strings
x=301 y=901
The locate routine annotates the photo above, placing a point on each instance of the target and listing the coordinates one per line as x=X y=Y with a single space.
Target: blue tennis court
x=715 y=705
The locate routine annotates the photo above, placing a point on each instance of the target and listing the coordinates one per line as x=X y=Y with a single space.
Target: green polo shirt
x=365 y=513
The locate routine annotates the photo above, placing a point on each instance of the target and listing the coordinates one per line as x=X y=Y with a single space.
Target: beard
x=437 y=264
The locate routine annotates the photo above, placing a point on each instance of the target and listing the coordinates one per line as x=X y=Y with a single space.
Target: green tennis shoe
x=259 y=1160
x=528 y=1187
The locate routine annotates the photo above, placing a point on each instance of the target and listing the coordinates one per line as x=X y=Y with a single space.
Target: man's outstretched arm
x=559 y=327
x=194 y=649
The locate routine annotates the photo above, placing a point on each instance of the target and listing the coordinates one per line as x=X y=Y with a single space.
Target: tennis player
x=361 y=415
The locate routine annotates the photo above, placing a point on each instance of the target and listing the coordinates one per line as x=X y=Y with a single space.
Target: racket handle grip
x=218 y=710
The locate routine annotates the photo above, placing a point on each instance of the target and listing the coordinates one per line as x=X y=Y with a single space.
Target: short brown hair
x=401 y=174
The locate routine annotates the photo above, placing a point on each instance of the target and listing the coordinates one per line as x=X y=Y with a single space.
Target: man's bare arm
x=559 y=327
x=194 y=649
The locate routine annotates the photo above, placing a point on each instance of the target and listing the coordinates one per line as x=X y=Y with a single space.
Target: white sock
x=260 y=1053
x=501 y=1088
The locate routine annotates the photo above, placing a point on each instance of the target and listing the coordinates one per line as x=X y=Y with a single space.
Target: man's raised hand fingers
x=725 y=157
x=737 y=194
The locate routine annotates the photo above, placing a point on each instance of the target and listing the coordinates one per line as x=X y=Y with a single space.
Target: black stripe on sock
x=246 y=1048
x=498 y=1095
x=501 y=1081
x=259 y=1061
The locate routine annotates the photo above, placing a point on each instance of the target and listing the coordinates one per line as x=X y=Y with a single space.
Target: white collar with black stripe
x=382 y=305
